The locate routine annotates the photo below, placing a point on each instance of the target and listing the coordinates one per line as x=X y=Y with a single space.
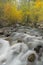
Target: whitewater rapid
x=26 y=49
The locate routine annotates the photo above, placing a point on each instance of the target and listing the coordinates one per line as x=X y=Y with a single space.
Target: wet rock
x=7 y=33
x=31 y=58
x=24 y=32
x=19 y=41
x=36 y=35
x=37 y=49
x=1 y=32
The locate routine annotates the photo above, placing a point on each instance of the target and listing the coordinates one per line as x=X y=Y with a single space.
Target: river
x=24 y=42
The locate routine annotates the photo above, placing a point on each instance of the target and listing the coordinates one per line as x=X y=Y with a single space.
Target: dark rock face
x=37 y=49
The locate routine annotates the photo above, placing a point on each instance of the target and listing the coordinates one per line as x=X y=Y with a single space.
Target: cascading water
x=26 y=49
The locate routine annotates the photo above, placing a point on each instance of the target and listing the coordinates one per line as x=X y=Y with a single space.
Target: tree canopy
x=21 y=11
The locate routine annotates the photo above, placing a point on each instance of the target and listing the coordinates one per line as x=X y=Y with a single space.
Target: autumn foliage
x=30 y=12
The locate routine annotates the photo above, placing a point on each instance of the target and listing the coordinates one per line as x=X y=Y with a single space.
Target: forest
x=25 y=12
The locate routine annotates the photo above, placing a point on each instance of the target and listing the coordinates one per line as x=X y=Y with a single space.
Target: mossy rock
x=31 y=58
x=19 y=41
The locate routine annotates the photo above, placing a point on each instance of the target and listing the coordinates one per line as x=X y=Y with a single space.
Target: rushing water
x=26 y=48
